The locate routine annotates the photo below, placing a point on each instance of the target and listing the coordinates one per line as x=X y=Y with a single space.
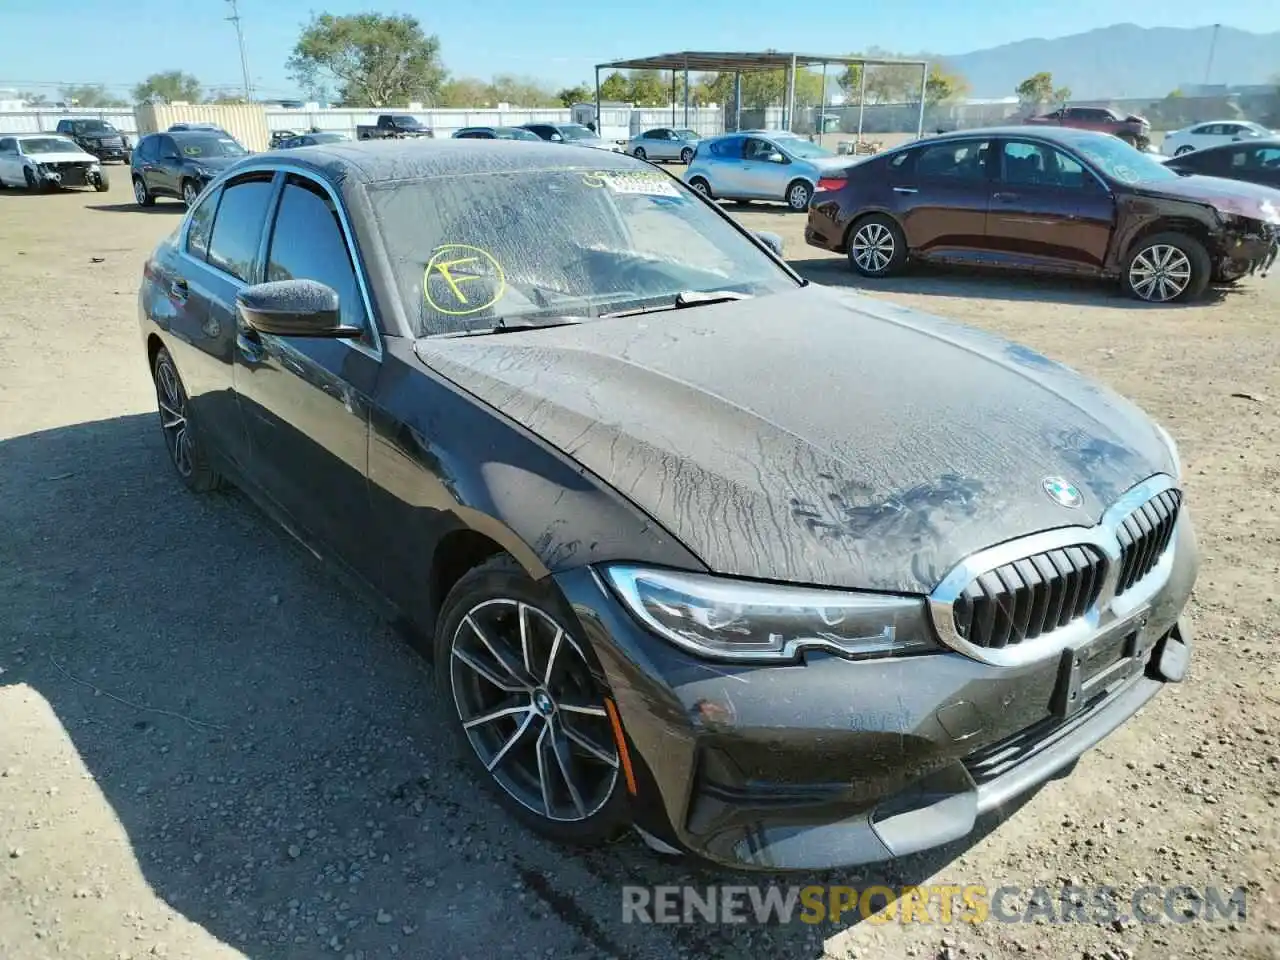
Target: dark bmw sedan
x=1255 y=161
x=1046 y=199
x=781 y=576
x=180 y=164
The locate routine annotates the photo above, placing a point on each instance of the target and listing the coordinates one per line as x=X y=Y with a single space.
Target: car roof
x=379 y=161
x=1239 y=144
x=1064 y=135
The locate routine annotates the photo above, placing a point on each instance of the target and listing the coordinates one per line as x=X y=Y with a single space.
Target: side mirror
x=770 y=240
x=293 y=308
x=777 y=158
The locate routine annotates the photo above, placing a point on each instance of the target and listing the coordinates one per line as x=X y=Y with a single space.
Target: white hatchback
x=1202 y=135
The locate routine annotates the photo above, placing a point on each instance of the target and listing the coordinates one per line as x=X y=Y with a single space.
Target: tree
x=33 y=99
x=376 y=60
x=943 y=86
x=464 y=92
x=1038 y=88
x=850 y=79
x=761 y=88
x=90 y=95
x=568 y=96
x=647 y=89
x=616 y=87
x=521 y=91
x=168 y=87
x=226 y=96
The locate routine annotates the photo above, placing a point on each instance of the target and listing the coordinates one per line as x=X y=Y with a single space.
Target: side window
x=1266 y=158
x=8 y=145
x=202 y=225
x=727 y=149
x=237 y=228
x=307 y=243
x=760 y=150
x=64 y=126
x=1032 y=164
x=963 y=160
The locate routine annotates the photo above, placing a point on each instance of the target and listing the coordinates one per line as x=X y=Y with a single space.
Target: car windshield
x=197 y=147
x=804 y=149
x=479 y=250
x=34 y=145
x=1122 y=162
x=94 y=126
x=514 y=133
x=574 y=131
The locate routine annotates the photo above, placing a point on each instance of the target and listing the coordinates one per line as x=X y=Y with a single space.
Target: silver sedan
x=664 y=143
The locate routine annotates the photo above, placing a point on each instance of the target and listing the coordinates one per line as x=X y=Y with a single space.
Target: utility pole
x=1208 y=67
x=244 y=59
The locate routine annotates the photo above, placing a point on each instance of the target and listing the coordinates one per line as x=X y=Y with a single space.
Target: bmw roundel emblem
x=1062 y=493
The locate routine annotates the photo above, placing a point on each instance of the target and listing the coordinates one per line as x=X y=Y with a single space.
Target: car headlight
x=1173 y=451
x=725 y=619
x=200 y=171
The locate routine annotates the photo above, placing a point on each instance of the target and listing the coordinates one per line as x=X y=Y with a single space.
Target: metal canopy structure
x=743 y=62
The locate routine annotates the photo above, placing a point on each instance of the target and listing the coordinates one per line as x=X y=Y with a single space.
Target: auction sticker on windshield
x=642 y=183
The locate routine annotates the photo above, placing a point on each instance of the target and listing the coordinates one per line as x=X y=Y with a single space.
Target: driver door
x=764 y=170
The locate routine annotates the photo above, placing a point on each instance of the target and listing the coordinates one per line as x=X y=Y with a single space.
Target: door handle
x=1004 y=197
x=905 y=190
x=249 y=345
x=178 y=290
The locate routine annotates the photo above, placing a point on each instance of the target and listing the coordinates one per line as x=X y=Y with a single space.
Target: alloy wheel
x=701 y=187
x=685 y=156
x=189 y=193
x=173 y=416
x=532 y=711
x=639 y=154
x=873 y=247
x=1160 y=273
x=139 y=191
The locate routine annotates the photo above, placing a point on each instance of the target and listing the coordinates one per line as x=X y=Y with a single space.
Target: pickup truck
x=393 y=126
x=1132 y=129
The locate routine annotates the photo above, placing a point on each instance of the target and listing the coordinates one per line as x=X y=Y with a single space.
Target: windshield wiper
x=685 y=299
x=511 y=326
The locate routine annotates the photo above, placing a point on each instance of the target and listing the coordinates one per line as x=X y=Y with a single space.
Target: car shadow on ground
x=269 y=744
x=969 y=283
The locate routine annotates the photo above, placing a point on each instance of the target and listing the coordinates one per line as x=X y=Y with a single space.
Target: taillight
x=833 y=183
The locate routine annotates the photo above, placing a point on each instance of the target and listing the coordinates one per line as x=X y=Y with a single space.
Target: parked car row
x=691 y=573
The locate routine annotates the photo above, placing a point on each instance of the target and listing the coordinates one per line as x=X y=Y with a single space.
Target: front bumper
x=68 y=175
x=831 y=763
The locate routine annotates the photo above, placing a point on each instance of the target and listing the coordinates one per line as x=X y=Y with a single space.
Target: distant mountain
x=1124 y=60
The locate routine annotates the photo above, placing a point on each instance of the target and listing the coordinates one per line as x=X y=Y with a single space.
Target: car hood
x=63 y=156
x=816 y=436
x=213 y=163
x=1229 y=196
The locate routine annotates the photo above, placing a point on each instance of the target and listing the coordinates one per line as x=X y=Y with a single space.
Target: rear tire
x=1167 y=268
x=877 y=246
x=186 y=452
x=515 y=689
x=686 y=155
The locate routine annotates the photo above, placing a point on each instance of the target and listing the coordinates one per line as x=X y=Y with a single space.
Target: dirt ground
x=210 y=747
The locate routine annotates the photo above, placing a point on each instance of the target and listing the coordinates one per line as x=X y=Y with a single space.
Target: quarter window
x=237 y=228
x=307 y=243
x=201 y=225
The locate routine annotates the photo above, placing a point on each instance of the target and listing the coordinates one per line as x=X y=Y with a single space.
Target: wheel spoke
x=523 y=615
x=511 y=742
x=568 y=767
x=551 y=657
x=574 y=705
x=503 y=661
x=507 y=711
x=544 y=783
x=589 y=746
x=485 y=672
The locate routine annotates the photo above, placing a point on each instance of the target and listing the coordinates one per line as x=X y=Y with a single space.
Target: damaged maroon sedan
x=1061 y=201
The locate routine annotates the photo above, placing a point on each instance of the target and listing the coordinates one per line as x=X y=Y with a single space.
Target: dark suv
x=180 y=164
x=96 y=137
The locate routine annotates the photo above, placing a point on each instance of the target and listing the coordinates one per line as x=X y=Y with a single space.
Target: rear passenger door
x=941 y=192
x=306 y=400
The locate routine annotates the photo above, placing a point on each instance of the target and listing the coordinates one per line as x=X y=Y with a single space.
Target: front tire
x=799 y=193
x=877 y=246
x=701 y=186
x=639 y=153
x=1167 y=268
x=185 y=451
x=101 y=183
x=32 y=183
x=529 y=703
x=141 y=194
x=190 y=193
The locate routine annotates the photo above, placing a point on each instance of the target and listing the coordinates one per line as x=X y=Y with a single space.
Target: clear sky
x=118 y=43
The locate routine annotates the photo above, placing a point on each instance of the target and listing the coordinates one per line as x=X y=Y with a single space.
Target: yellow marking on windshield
x=458 y=264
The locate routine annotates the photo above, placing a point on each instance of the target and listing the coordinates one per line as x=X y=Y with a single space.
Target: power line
x=244 y=59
